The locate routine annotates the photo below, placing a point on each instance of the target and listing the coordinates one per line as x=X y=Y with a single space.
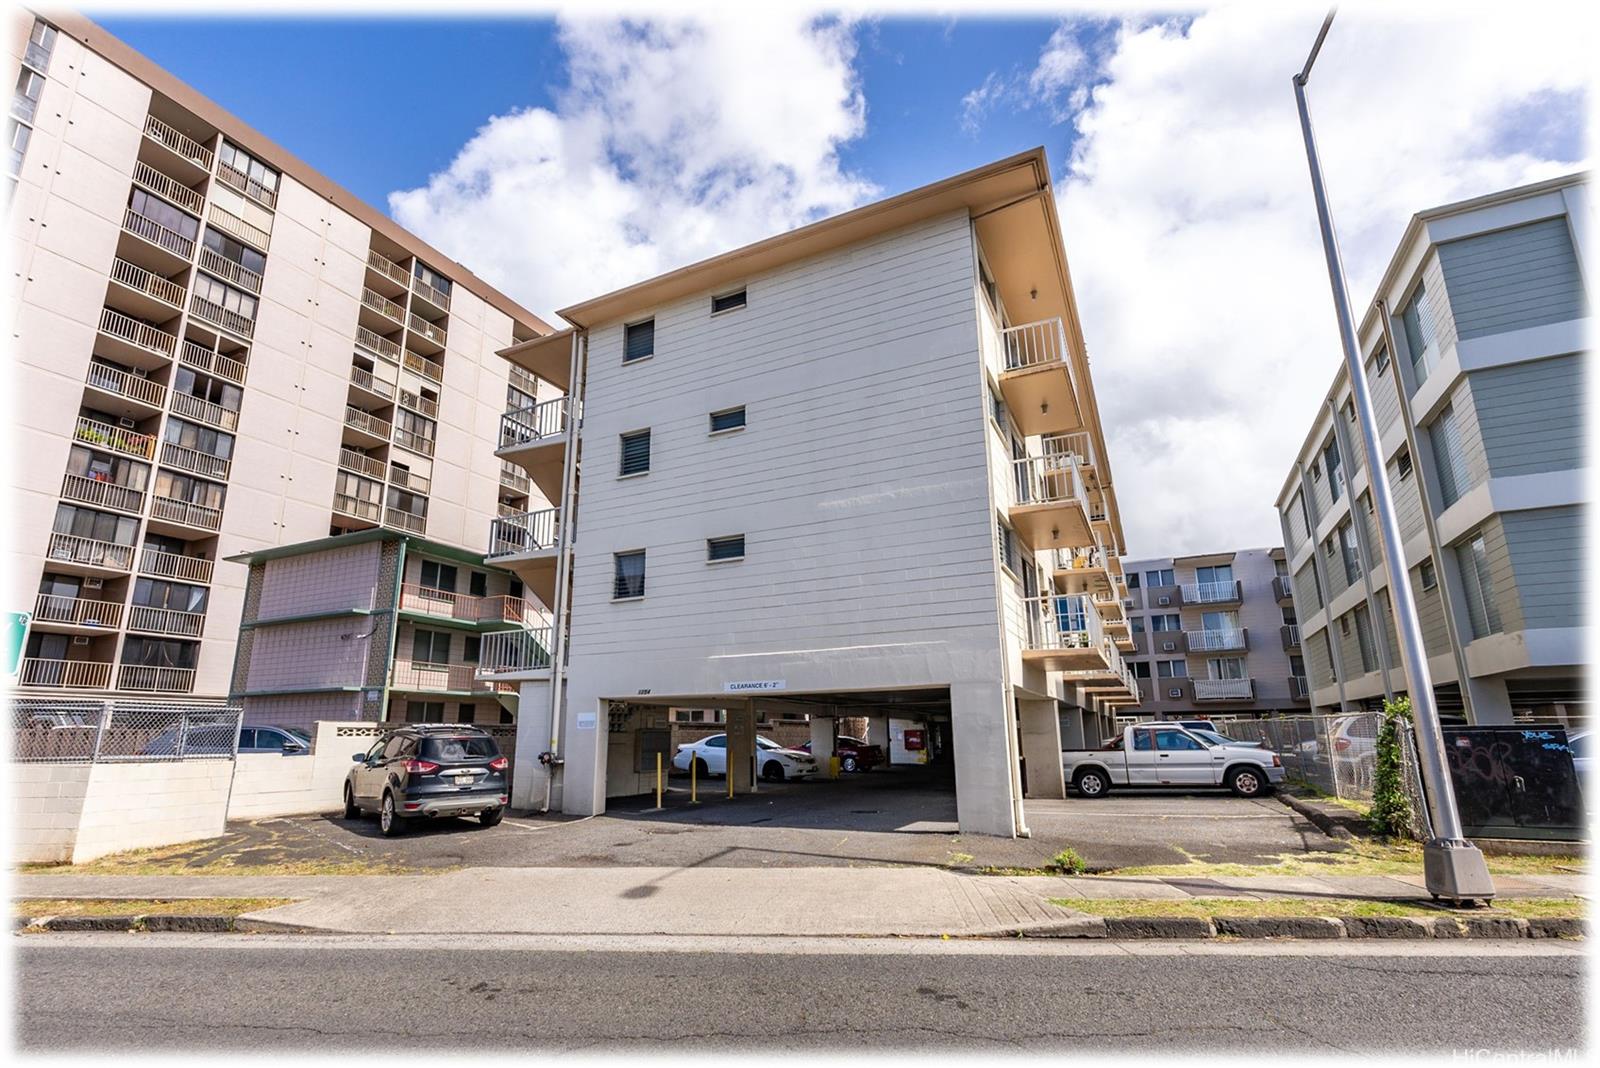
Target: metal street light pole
x=1453 y=867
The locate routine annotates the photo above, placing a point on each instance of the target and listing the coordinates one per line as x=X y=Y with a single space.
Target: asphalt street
x=286 y=993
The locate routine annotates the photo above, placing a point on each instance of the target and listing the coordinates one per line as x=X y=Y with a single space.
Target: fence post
x=100 y=730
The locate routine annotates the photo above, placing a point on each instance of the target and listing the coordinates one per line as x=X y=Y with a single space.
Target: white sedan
x=774 y=761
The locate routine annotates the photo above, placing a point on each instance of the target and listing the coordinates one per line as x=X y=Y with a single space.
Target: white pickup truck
x=1167 y=754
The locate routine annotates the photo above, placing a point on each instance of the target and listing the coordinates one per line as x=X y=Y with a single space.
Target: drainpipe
x=1358 y=525
x=566 y=525
x=394 y=628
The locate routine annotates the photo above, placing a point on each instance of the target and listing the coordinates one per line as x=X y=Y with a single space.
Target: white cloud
x=1192 y=235
x=1058 y=82
x=672 y=141
x=1058 y=73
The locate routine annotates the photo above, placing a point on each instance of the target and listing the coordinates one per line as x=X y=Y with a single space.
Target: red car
x=853 y=753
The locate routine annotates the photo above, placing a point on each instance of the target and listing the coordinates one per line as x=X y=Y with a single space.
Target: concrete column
x=742 y=746
x=1072 y=727
x=985 y=776
x=822 y=739
x=586 y=741
x=1490 y=702
x=878 y=733
x=530 y=780
x=1041 y=747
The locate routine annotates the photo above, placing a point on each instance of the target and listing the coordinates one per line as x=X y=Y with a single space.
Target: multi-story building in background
x=855 y=470
x=216 y=351
x=1474 y=349
x=1215 y=635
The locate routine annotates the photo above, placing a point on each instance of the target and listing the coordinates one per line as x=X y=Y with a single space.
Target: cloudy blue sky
x=561 y=157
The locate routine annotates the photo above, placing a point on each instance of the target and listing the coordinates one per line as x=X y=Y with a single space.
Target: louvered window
x=727 y=302
x=636 y=452
x=728 y=548
x=639 y=340
x=628 y=575
x=1445 y=433
x=1478 y=583
x=730 y=419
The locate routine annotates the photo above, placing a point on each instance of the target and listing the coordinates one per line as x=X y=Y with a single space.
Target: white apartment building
x=1475 y=352
x=215 y=351
x=855 y=470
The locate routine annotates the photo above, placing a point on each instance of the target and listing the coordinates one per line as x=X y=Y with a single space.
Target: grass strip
x=189 y=906
x=1363 y=857
x=1208 y=907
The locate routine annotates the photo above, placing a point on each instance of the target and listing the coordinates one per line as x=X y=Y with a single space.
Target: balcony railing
x=1211 y=641
x=423 y=366
x=175 y=565
x=115 y=438
x=387 y=267
x=419 y=325
x=77 y=611
x=1034 y=344
x=169 y=188
x=191 y=407
x=361 y=463
x=437 y=297
x=136 y=333
x=159 y=679
x=194 y=461
x=184 y=513
x=1299 y=688
x=1211 y=592
x=458 y=677
x=523 y=379
x=229 y=271
x=187 y=147
x=508 y=651
x=415 y=597
x=366 y=380
x=407 y=521
x=1282 y=588
x=513 y=477
x=410 y=439
x=383 y=305
x=153 y=232
x=74 y=549
x=167 y=621
x=366 y=422
x=523 y=532
x=357 y=507
x=1078 y=444
x=101 y=493
x=233 y=226
x=220 y=316
x=418 y=403
x=522 y=426
x=142 y=281
x=1291 y=636
x=237 y=180
x=377 y=344
x=1047 y=480
x=1084 y=558
x=410 y=480
x=134 y=387
x=1063 y=621
x=214 y=362
x=65 y=674
x=1223 y=689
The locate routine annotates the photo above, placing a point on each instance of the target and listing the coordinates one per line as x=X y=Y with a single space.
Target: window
x=150 y=652
x=1214 y=575
x=226 y=297
x=1402 y=463
x=1289 y=618
x=1136 y=624
x=1161 y=577
x=155 y=593
x=256 y=172
x=104 y=467
x=466 y=713
x=234 y=251
x=1166 y=622
x=727 y=419
x=41 y=43
x=638 y=341
x=728 y=548
x=26 y=100
x=1445 y=433
x=1381 y=360
x=1478 y=582
x=1009 y=557
x=1141 y=669
x=471 y=650
x=1418 y=327
x=1225 y=667
x=1144 y=739
x=424 y=712
x=1133 y=580
x=1330 y=456
x=727 y=303
x=437 y=576
x=19 y=135
x=1170 y=740
x=1428 y=575
x=627 y=575
x=1369 y=651
x=213 y=443
x=415 y=432
x=430 y=277
x=222 y=394
x=191 y=490
x=478 y=584
x=1349 y=550
x=1172 y=669
x=1344 y=626
x=430 y=647
x=635 y=453
x=160 y=212
x=997 y=409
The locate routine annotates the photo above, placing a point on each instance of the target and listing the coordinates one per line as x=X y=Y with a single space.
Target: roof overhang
x=549 y=357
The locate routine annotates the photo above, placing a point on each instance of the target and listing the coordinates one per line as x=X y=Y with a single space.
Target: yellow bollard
x=694 y=780
x=730 y=780
x=658 y=780
x=833 y=767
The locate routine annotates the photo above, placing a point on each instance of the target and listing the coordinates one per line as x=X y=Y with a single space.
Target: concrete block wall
x=152 y=803
x=46 y=803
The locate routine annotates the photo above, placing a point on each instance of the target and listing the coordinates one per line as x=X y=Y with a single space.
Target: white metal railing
x=407 y=521
x=168 y=187
x=367 y=422
x=418 y=403
x=208 y=360
x=521 y=426
x=1038 y=344
x=153 y=232
x=377 y=344
x=371 y=383
x=1047 y=480
x=163 y=679
x=1291 y=635
x=435 y=296
x=1223 y=689
x=134 y=332
x=115 y=438
x=194 y=461
x=184 y=146
x=1063 y=621
x=1077 y=443
x=358 y=507
x=168 y=621
x=233 y=226
x=387 y=267
x=76 y=611
x=185 y=513
x=220 y=316
x=383 y=305
x=150 y=284
x=410 y=480
x=134 y=387
x=1282 y=588
x=419 y=325
x=229 y=271
x=361 y=463
x=522 y=532
x=513 y=477
x=66 y=674
x=75 y=549
x=455 y=676
x=423 y=366
x=415 y=597
x=1210 y=641
x=410 y=439
x=192 y=407
x=1211 y=592
x=175 y=565
x=99 y=492
x=236 y=179
x=506 y=651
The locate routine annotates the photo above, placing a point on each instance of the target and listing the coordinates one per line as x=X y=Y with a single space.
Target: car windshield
x=768 y=743
x=462 y=747
x=296 y=733
x=1212 y=736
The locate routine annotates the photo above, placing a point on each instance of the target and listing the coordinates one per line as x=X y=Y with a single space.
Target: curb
x=1280 y=927
x=1324 y=821
x=1158 y=927
x=1304 y=928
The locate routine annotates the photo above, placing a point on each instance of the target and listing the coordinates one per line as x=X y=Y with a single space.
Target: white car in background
x=773 y=761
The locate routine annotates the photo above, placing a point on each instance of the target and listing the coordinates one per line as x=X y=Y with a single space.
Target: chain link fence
x=1335 y=754
x=69 y=731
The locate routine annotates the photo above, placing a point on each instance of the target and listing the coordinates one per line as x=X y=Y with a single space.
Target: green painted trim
x=394 y=627
x=478 y=626
x=308 y=617
x=301 y=689
x=361 y=537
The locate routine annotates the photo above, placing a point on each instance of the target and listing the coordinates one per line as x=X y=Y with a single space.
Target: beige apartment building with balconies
x=1215 y=635
x=855 y=470
x=1475 y=353
x=215 y=351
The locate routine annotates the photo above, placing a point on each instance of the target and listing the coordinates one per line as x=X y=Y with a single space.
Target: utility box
x=654 y=742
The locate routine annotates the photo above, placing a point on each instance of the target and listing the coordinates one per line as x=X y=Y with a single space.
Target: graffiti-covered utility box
x=1515 y=782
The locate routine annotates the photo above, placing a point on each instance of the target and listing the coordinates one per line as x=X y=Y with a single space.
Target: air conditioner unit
x=1164 y=599
x=126 y=423
x=1167 y=647
x=1175 y=692
x=94 y=583
x=140 y=372
x=80 y=640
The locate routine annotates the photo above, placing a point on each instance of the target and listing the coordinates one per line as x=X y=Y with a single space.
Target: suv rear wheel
x=390 y=822
x=492 y=816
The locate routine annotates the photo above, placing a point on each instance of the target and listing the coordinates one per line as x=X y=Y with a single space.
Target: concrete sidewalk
x=810 y=902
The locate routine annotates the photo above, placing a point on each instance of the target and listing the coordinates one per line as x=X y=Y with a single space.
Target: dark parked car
x=853 y=753
x=198 y=739
x=290 y=741
x=429 y=770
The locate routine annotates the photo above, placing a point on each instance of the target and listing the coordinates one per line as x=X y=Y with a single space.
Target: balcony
x=175 y=248
x=1049 y=502
x=144 y=293
x=1299 y=688
x=1224 y=689
x=241 y=182
x=366 y=427
x=166 y=621
x=535 y=438
x=410 y=439
x=388 y=269
x=175 y=566
x=101 y=494
x=194 y=461
x=513 y=478
x=378 y=345
x=155 y=679
x=1291 y=636
x=1215 y=641
x=509 y=652
x=144 y=396
x=437 y=298
x=51 y=612
x=409 y=480
x=229 y=271
x=80 y=555
x=135 y=340
x=525 y=543
x=185 y=148
x=1282 y=588
x=65 y=674
x=167 y=188
x=366 y=381
x=1082 y=570
x=1212 y=592
x=429 y=369
x=357 y=507
x=361 y=463
x=1038 y=382
x=183 y=514
x=217 y=315
x=465 y=608
x=376 y=302
x=212 y=362
x=421 y=328
x=235 y=227
x=1064 y=634
x=409 y=522
x=204 y=411
x=419 y=404
x=115 y=438
x=419 y=676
